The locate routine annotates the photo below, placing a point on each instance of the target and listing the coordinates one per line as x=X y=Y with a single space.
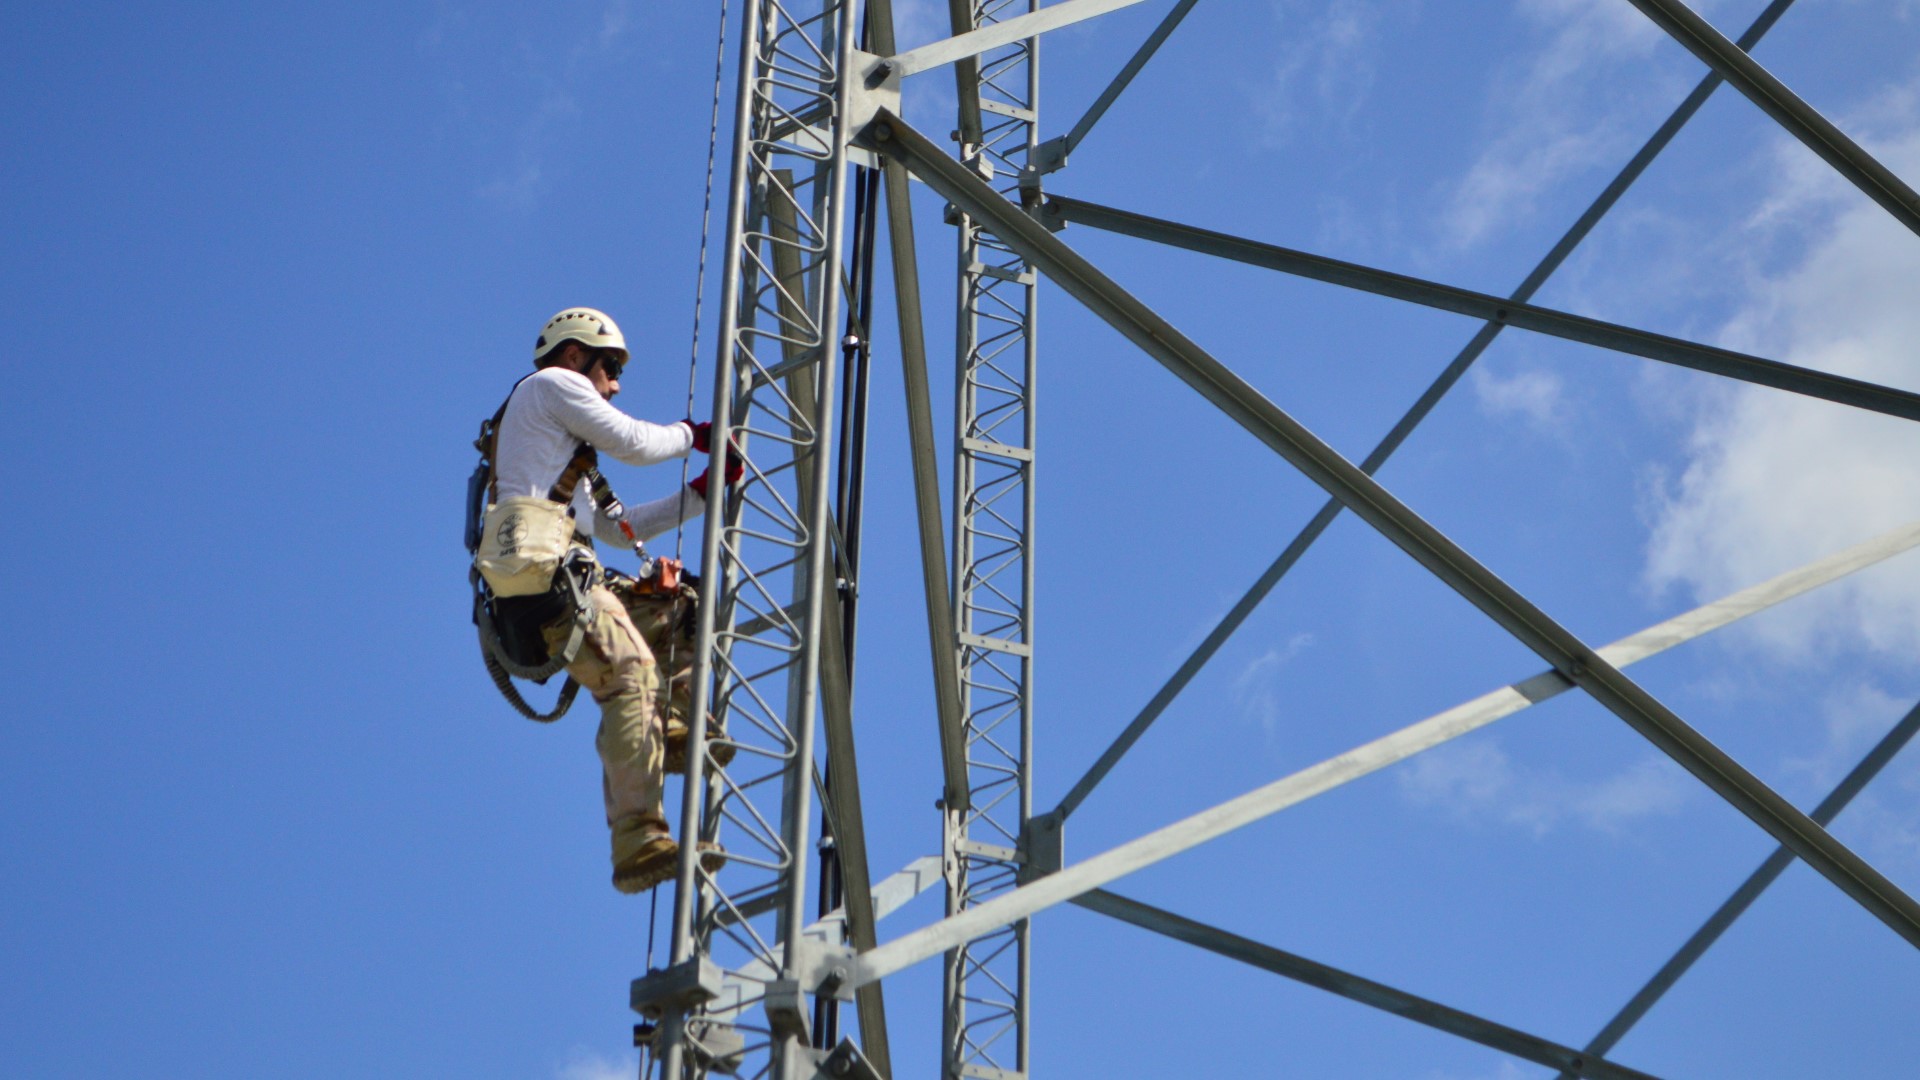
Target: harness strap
x=504 y=683
x=585 y=458
x=501 y=668
x=489 y=441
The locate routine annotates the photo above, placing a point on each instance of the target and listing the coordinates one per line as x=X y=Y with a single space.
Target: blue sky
x=267 y=268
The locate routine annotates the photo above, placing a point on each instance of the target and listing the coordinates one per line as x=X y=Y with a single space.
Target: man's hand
x=733 y=471
x=702 y=435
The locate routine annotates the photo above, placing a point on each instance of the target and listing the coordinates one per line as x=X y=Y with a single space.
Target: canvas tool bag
x=522 y=540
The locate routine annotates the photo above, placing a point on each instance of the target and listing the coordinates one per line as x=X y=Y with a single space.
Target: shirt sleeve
x=650 y=519
x=578 y=408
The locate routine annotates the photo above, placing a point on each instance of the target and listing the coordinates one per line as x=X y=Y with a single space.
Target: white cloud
x=1478 y=781
x=1256 y=689
x=1854 y=717
x=1770 y=480
x=1324 y=66
x=1535 y=396
x=1556 y=115
x=615 y=19
x=519 y=186
x=586 y=1065
x=555 y=113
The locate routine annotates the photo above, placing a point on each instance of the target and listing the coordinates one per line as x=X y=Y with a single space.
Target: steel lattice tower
x=748 y=967
x=987 y=980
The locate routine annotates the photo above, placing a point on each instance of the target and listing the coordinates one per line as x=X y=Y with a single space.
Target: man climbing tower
x=544 y=457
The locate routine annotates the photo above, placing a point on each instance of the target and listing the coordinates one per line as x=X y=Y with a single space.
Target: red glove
x=702 y=435
x=734 y=471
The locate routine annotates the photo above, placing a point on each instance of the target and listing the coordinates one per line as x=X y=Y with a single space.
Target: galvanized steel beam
x=836 y=690
x=1355 y=988
x=1404 y=427
x=765 y=549
x=1743 y=897
x=1801 y=120
x=995 y=35
x=1054 y=152
x=1407 y=530
x=987 y=1029
x=1389 y=749
x=1708 y=358
x=926 y=478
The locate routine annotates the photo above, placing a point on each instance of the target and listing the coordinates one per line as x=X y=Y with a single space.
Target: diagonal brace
x=1053 y=153
x=1020 y=27
x=1371 y=757
x=1655 y=639
x=1494 y=309
x=1800 y=119
x=1355 y=988
x=1743 y=897
x=1399 y=524
x=1403 y=428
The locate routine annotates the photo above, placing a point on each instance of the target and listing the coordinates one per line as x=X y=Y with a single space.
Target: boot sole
x=652 y=873
x=721 y=752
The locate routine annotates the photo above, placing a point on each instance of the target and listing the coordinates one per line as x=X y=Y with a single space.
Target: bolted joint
x=833 y=982
x=846 y=1062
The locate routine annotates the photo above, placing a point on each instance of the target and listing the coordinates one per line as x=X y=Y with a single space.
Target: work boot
x=645 y=854
x=721 y=751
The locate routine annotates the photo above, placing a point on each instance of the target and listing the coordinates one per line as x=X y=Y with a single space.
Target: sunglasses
x=611 y=362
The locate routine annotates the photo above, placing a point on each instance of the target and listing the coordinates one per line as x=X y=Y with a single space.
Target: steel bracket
x=717 y=1048
x=681 y=988
x=875 y=86
x=1042 y=848
x=1051 y=156
x=825 y=967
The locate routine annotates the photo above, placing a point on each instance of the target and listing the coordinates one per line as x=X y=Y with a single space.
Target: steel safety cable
x=700 y=275
x=693 y=376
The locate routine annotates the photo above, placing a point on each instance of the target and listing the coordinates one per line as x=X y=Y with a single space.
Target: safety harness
x=512 y=638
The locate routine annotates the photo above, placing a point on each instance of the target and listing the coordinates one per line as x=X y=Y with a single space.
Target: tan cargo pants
x=616 y=667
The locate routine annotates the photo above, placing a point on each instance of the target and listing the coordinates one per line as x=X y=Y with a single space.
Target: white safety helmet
x=582 y=324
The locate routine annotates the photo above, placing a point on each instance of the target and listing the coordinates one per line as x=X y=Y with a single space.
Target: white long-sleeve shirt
x=554 y=410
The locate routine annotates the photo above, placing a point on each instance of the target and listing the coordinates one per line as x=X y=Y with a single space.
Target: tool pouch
x=522 y=541
x=513 y=628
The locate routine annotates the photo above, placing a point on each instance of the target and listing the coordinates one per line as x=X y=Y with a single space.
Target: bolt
x=882 y=132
